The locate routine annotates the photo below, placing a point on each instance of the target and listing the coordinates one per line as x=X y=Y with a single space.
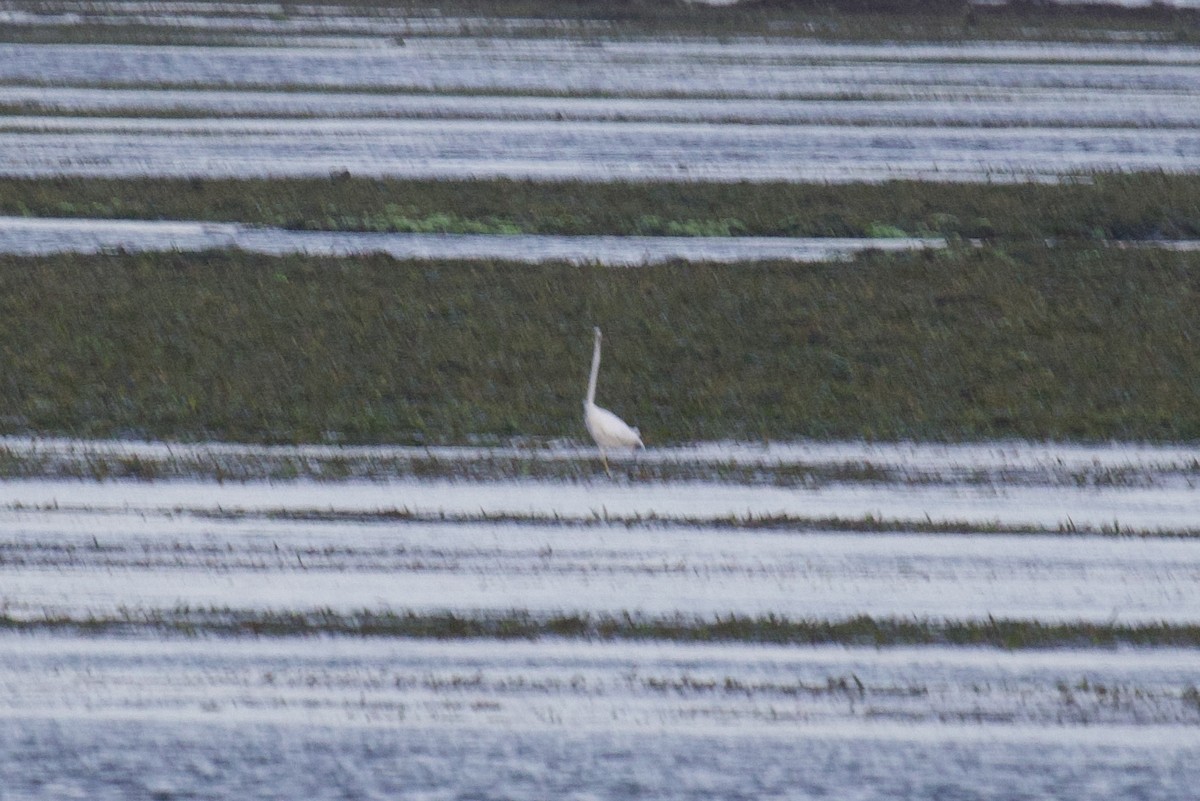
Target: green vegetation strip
x=254 y=467
x=1079 y=343
x=543 y=466
x=1105 y=207
x=867 y=524
x=772 y=629
x=766 y=523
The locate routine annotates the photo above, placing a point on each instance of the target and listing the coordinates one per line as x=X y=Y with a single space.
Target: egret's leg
x=604 y=458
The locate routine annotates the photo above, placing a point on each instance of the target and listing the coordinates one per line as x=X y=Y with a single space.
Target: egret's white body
x=608 y=430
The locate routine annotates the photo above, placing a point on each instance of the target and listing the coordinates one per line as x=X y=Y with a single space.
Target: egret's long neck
x=591 y=396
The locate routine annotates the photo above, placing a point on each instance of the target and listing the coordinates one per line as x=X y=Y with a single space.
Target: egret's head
x=596 y=331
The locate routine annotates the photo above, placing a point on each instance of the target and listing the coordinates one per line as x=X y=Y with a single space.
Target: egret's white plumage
x=608 y=430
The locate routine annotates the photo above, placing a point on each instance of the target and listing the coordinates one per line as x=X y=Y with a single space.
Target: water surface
x=570 y=107
x=41 y=236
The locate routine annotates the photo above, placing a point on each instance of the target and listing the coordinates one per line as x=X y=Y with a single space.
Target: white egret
x=608 y=430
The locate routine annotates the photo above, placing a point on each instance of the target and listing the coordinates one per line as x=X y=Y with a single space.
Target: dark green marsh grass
x=1081 y=343
x=517 y=624
x=543 y=464
x=794 y=524
x=1111 y=206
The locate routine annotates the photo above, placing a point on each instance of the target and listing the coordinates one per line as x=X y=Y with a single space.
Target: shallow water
x=336 y=718
x=620 y=688
x=1170 y=505
x=75 y=564
x=683 y=67
x=642 y=109
x=145 y=714
x=40 y=236
x=595 y=545
x=583 y=150
x=116 y=760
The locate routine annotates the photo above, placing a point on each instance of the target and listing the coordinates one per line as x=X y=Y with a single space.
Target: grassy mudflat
x=548 y=463
x=858 y=631
x=1133 y=206
x=1066 y=343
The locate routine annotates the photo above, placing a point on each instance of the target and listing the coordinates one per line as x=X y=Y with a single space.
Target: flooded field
x=100 y=550
x=555 y=107
x=447 y=720
x=1046 y=535
x=786 y=620
x=593 y=151
x=167 y=760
